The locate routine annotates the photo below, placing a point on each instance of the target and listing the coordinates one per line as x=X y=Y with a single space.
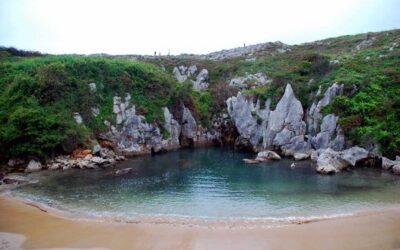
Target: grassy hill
x=39 y=93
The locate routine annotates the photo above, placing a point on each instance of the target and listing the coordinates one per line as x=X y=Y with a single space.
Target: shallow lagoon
x=214 y=183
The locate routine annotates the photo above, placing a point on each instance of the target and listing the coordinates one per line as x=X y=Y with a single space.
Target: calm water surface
x=214 y=183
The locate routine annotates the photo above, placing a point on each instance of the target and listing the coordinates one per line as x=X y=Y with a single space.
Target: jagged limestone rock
x=173 y=128
x=251 y=80
x=201 y=83
x=314 y=114
x=189 y=126
x=183 y=73
x=286 y=121
x=329 y=133
x=178 y=75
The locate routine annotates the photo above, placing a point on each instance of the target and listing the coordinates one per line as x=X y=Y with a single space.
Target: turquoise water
x=214 y=183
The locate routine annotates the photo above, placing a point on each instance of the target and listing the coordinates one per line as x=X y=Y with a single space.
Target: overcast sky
x=183 y=26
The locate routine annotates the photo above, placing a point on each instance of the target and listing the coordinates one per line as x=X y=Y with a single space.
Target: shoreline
x=189 y=221
x=43 y=228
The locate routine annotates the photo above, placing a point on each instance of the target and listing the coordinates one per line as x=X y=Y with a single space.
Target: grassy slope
x=39 y=94
x=370 y=115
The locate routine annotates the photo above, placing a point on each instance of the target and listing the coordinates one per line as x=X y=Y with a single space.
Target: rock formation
x=283 y=127
x=183 y=73
x=250 y=81
x=248 y=51
x=330 y=161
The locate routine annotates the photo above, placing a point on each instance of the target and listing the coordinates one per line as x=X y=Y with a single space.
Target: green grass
x=39 y=94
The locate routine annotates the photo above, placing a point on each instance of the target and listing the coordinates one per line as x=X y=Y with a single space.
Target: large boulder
x=267 y=155
x=300 y=156
x=329 y=162
x=354 y=154
x=33 y=166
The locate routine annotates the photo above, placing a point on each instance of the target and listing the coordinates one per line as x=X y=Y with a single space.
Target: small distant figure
x=293 y=165
x=244 y=45
x=169 y=52
x=155 y=53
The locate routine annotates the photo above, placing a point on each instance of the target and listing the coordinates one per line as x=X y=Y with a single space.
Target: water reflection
x=215 y=182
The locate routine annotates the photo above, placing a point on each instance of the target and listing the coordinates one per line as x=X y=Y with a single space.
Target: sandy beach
x=29 y=227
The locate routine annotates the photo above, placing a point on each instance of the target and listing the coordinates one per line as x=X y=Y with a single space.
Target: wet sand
x=37 y=228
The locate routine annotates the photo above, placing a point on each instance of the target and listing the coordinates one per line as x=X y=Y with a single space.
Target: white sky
x=183 y=26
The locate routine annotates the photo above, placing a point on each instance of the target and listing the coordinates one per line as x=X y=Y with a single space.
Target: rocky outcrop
x=267 y=155
x=391 y=165
x=300 y=156
x=78 y=118
x=330 y=134
x=174 y=130
x=396 y=169
x=250 y=81
x=248 y=51
x=193 y=135
x=99 y=157
x=33 y=166
x=314 y=115
x=368 y=42
x=249 y=119
x=387 y=164
x=183 y=73
x=354 y=154
x=285 y=123
x=282 y=128
x=263 y=156
x=330 y=161
x=201 y=83
x=132 y=135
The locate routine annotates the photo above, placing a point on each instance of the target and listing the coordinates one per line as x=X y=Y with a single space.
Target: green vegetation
x=40 y=93
x=39 y=96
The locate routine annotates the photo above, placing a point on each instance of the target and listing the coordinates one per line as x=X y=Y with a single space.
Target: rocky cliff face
x=285 y=127
x=132 y=135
